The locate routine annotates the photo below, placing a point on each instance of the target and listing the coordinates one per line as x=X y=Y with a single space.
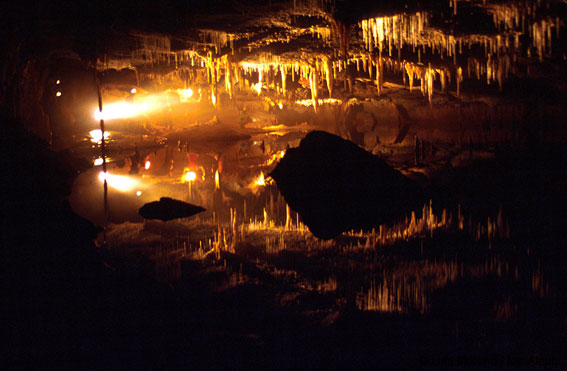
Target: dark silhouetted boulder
x=337 y=186
x=168 y=209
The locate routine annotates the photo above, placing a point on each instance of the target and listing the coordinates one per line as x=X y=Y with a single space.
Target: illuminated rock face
x=336 y=186
x=312 y=50
x=434 y=47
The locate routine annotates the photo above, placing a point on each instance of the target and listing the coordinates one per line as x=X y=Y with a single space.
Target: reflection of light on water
x=309 y=102
x=96 y=135
x=118 y=182
x=217 y=184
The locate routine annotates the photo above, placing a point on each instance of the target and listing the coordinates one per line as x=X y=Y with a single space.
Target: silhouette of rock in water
x=337 y=186
x=168 y=209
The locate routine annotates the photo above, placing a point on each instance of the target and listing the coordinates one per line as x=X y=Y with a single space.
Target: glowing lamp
x=190 y=176
x=147 y=165
x=133 y=91
x=58 y=94
x=187 y=93
x=118 y=182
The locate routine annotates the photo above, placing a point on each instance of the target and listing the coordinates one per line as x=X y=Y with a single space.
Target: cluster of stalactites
x=375 y=66
x=319 y=70
x=394 y=31
x=515 y=19
x=493 y=69
x=311 y=4
x=541 y=34
x=219 y=39
x=154 y=50
x=322 y=33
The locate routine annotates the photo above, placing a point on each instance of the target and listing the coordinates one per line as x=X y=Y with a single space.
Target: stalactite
x=459 y=79
x=228 y=76
x=379 y=74
x=283 y=72
x=313 y=78
x=329 y=76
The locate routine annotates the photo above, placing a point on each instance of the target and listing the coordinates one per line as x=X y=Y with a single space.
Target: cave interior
x=107 y=106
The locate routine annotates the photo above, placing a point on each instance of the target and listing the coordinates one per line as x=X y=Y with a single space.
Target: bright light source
x=138 y=193
x=58 y=82
x=118 y=182
x=147 y=165
x=280 y=104
x=187 y=93
x=102 y=176
x=120 y=110
x=58 y=94
x=98 y=161
x=260 y=181
x=190 y=176
x=96 y=135
x=257 y=87
x=133 y=91
x=217 y=183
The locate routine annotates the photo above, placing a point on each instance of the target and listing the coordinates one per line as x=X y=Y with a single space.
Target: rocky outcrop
x=337 y=186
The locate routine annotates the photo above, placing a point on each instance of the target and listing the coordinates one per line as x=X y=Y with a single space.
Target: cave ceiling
x=448 y=47
x=423 y=43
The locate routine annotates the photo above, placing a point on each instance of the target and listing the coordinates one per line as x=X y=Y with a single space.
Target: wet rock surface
x=337 y=186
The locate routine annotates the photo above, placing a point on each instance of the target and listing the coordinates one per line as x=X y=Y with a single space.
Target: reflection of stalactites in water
x=405 y=288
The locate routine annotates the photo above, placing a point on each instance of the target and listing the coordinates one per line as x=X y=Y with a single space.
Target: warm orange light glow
x=96 y=135
x=309 y=102
x=138 y=193
x=217 y=183
x=58 y=82
x=147 y=165
x=133 y=91
x=186 y=93
x=58 y=94
x=120 y=110
x=213 y=98
x=98 y=161
x=276 y=156
x=190 y=176
x=118 y=182
x=260 y=181
x=257 y=87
